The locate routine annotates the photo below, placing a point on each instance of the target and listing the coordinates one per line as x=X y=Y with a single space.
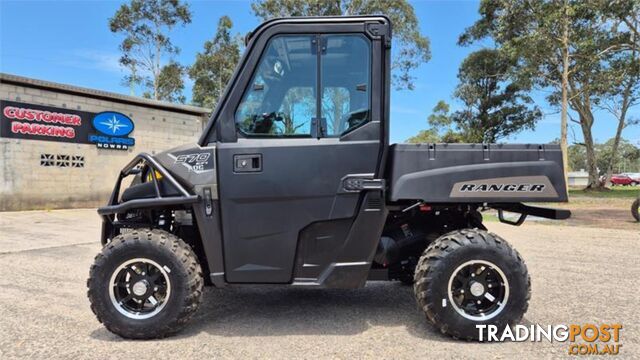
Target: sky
x=70 y=42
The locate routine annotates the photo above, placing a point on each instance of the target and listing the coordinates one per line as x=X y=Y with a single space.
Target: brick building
x=62 y=146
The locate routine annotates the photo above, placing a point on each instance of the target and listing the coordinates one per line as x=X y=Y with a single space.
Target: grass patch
x=616 y=192
x=487 y=216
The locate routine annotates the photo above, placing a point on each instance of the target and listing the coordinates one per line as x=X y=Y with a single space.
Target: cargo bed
x=463 y=173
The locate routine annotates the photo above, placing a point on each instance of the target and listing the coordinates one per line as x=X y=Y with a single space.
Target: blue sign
x=113 y=123
x=113 y=128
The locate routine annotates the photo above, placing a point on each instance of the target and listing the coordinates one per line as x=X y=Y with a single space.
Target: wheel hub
x=140 y=288
x=476 y=288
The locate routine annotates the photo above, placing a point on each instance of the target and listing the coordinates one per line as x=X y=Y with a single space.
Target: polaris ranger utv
x=293 y=182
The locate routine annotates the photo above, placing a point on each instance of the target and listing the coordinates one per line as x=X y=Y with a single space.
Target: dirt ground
x=614 y=213
x=599 y=212
x=580 y=274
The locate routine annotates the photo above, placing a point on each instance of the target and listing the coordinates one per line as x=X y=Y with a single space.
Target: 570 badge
x=196 y=162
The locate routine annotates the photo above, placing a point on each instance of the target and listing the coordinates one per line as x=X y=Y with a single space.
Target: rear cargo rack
x=134 y=167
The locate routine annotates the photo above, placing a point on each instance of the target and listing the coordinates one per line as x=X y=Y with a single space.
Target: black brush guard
x=108 y=213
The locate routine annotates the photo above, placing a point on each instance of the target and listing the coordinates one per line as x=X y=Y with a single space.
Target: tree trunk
x=156 y=75
x=132 y=81
x=586 y=123
x=616 y=142
x=565 y=88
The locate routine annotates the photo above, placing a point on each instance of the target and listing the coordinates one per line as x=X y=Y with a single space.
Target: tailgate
x=463 y=173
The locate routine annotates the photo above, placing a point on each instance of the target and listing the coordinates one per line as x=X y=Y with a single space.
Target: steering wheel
x=263 y=124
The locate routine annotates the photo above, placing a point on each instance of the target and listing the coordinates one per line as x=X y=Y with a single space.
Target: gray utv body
x=311 y=211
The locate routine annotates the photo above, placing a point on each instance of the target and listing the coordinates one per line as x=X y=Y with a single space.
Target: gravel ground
x=600 y=212
x=580 y=275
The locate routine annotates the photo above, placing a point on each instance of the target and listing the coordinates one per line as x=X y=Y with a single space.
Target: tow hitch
x=525 y=210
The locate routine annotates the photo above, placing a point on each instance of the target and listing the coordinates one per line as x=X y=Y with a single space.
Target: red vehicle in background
x=632 y=179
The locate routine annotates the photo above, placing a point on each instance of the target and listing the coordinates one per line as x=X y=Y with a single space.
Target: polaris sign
x=107 y=130
x=113 y=128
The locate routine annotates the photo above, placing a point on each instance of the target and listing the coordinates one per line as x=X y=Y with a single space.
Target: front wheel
x=635 y=209
x=145 y=284
x=471 y=277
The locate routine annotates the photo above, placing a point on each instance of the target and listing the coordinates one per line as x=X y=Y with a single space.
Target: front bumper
x=115 y=206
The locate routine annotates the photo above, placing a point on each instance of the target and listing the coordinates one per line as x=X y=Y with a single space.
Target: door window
x=346 y=85
x=281 y=99
x=297 y=109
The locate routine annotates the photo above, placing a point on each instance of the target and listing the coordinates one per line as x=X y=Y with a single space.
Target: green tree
x=522 y=27
x=411 y=48
x=577 y=157
x=563 y=45
x=625 y=158
x=442 y=128
x=425 y=136
x=213 y=67
x=146 y=46
x=440 y=117
x=494 y=107
x=170 y=83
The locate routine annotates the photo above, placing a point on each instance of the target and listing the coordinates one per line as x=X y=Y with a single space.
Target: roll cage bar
x=134 y=167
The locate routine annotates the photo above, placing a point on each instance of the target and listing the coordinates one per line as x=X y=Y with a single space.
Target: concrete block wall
x=26 y=185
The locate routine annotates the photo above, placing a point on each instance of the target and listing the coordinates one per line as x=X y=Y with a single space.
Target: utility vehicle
x=293 y=182
x=625 y=179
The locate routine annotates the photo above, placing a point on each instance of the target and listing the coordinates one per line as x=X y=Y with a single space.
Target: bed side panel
x=462 y=173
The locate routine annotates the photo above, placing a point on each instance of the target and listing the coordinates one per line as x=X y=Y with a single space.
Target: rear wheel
x=471 y=277
x=145 y=284
x=635 y=209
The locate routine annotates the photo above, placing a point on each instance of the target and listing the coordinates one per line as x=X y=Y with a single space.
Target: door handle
x=247 y=163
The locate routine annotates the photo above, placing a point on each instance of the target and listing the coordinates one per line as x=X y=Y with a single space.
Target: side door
x=304 y=124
